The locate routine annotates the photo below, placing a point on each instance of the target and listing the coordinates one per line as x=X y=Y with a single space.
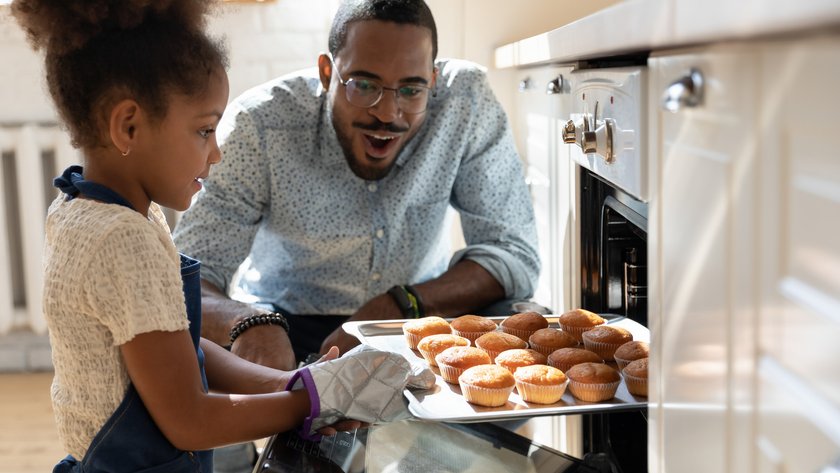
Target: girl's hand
x=342 y=426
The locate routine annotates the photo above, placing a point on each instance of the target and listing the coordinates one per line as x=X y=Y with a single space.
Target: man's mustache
x=379 y=126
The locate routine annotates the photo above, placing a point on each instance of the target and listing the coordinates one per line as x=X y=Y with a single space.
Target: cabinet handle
x=525 y=84
x=685 y=92
x=555 y=86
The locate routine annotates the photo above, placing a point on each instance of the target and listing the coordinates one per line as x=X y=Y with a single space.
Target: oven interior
x=614 y=280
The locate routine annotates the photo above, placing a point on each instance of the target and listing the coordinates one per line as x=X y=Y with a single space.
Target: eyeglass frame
x=382 y=90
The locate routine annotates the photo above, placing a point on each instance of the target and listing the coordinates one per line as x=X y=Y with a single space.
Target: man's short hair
x=410 y=12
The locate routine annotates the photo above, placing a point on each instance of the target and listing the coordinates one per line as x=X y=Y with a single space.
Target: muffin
x=547 y=340
x=631 y=351
x=578 y=321
x=455 y=360
x=524 y=324
x=415 y=330
x=540 y=384
x=513 y=359
x=605 y=340
x=636 y=377
x=430 y=346
x=565 y=358
x=593 y=382
x=472 y=326
x=496 y=342
x=486 y=385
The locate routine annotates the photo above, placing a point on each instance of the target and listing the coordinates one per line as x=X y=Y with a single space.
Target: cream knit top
x=110 y=274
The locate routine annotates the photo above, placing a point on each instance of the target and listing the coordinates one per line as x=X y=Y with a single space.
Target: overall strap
x=73 y=184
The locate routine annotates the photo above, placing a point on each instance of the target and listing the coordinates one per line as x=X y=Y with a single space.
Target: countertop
x=639 y=26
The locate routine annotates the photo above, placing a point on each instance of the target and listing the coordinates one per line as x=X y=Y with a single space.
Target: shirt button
x=372 y=187
x=376 y=276
x=380 y=233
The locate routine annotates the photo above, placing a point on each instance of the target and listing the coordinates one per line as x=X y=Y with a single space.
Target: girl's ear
x=325 y=66
x=122 y=125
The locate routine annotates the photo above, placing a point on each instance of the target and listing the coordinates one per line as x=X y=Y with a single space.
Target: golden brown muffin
x=593 y=382
x=455 y=360
x=565 y=358
x=540 y=384
x=496 y=342
x=486 y=385
x=547 y=340
x=472 y=326
x=636 y=377
x=415 y=330
x=605 y=340
x=578 y=321
x=513 y=359
x=524 y=324
x=430 y=346
x=631 y=351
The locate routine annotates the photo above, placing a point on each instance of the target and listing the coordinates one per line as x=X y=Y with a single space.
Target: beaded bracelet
x=258 y=319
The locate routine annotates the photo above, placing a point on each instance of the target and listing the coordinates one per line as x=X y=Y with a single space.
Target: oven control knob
x=570 y=132
x=600 y=140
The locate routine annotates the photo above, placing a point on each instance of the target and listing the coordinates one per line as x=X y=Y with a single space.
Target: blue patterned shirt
x=320 y=240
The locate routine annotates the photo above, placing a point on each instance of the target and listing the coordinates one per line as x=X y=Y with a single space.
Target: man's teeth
x=382 y=137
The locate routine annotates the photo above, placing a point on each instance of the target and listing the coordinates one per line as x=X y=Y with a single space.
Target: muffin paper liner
x=593 y=392
x=541 y=393
x=471 y=336
x=545 y=350
x=488 y=397
x=635 y=385
x=605 y=350
x=412 y=339
x=576 y=332
x=621 y=362
x=522 y=334
x=450 y=373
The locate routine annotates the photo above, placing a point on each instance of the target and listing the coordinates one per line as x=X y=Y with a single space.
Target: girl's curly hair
x=98 y=52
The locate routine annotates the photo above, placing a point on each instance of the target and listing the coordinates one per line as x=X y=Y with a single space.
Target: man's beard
x=367 y=173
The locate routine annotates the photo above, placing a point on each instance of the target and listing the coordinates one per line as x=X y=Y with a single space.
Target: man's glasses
x=366 y=93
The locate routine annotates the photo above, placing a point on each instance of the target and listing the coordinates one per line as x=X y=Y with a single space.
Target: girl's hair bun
x=61 y=26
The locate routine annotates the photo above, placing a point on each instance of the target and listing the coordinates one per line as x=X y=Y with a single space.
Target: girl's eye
x=206 y=132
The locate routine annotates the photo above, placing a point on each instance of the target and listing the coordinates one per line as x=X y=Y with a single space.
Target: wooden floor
x=28 y=438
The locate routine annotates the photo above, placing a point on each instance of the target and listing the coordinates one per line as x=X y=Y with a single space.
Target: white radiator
x=30 y=156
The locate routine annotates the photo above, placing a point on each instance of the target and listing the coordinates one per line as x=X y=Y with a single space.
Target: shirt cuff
x=515 y=277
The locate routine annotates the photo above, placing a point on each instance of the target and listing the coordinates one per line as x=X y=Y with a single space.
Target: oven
x=607 y=142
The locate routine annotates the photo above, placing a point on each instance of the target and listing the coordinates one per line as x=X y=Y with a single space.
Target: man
x=335 y=186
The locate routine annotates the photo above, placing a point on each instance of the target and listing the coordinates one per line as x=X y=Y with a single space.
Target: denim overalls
x=130 y=441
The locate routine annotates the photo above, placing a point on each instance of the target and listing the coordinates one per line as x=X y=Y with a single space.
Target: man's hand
x=341 y=339
x=266 y=345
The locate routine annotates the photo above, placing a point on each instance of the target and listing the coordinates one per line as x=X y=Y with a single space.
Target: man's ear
x=122 y=124
x=325 y=66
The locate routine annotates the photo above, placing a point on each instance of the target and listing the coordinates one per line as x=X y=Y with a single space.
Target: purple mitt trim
x=305 y=377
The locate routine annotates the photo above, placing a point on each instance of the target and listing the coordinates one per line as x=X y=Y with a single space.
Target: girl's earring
x=125 y=153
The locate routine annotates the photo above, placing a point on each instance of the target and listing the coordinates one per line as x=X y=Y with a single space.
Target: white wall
x=267 y=40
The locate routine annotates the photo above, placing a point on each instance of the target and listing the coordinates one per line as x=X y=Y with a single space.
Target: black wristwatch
x=400 y=296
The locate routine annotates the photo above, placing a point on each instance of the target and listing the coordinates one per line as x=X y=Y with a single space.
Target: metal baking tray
x=444 y=401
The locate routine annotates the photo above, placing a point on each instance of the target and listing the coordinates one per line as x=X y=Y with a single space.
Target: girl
x=141 y=87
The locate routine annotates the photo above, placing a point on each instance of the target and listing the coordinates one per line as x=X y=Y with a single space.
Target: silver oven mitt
x=365 y=384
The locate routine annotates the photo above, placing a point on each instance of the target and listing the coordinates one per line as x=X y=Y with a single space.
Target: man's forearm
x=219 y=313
x=464 y=288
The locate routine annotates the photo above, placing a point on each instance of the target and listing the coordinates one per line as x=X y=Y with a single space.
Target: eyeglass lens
x=366 y=93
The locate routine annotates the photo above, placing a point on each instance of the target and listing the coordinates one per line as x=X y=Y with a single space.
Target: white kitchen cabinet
x=541 y=108
x=798 y=330
x=745 y=260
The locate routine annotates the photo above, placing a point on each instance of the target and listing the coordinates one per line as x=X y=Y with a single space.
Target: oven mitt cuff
x=303 y=377
x=366 y=384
